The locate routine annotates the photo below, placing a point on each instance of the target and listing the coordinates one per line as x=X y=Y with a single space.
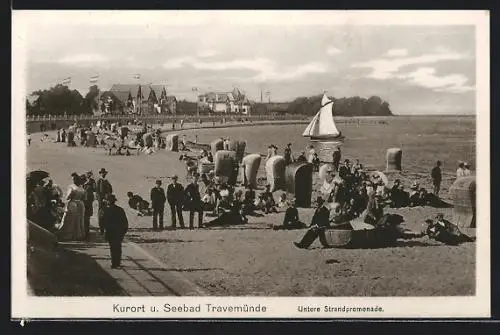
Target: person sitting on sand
x=268 y=199
x=360 y=202
x=302 y=157
x=136 y=202
x=445 y=232
x=282 y=202
x=315 y=162
x=291 y=219
x=414 y=195
x=320 y=221
x=373 y=211
x=210 y=157
x=209 y=201
x=248 y=200
x=395 y=194
x=234 y=216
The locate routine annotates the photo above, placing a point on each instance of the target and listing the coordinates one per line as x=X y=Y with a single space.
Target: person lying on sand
x=445 y=232
x=234 y=216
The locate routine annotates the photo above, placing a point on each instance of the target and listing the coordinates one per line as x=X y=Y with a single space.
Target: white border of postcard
x=25 y=307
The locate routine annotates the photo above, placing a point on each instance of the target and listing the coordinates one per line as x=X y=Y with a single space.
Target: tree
x=57 y=100
x=90 y=102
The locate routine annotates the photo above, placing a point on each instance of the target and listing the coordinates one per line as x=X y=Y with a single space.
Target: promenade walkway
x=141 y=274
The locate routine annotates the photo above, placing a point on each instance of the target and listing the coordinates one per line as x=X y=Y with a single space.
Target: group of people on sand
x=350 y=193
x=206 y=193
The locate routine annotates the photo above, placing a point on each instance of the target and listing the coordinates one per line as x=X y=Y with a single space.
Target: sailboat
x=322 y=127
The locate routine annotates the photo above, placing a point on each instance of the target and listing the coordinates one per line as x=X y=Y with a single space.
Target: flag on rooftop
x=94 y=79
x=66 y=81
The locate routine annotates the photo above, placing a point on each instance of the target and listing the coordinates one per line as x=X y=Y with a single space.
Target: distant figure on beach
x=467 y=171
x=337 y=155
x=182 y=123
x=461 y=170
x=287 y=154
x=63 y=135
x=436 y=178
x=29 y=139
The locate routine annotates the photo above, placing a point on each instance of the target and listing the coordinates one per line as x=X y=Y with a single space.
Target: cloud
x=397 y=53
x=265 y=68
x=207 y=53
x=383 y=68
x=333 y=51
x=83 y=59
x=426 y=77
x=177 y=63
x=292 y=72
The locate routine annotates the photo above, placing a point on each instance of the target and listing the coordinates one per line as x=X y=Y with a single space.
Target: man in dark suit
x=320 y=221
x=193 y=201
x=436 y=178
x=115 y=225
x=103 y=189
x=158 y=199
x=175 y=197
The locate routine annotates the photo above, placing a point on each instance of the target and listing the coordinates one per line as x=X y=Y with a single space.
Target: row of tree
x=60 y=100
x=353 y=106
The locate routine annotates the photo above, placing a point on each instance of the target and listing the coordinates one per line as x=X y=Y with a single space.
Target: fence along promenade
x=195 y=118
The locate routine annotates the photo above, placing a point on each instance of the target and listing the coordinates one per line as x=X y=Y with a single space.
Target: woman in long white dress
x=73 y=227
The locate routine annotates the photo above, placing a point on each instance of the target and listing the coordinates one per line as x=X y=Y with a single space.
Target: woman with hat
x=73 y=225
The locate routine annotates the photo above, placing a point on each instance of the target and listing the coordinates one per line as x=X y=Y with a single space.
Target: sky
x=418 y=69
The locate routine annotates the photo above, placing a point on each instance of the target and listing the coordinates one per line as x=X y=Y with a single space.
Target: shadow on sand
x=70 y=273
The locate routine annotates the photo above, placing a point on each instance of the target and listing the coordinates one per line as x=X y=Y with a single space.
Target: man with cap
x=158 y=199
x=193 y=201
x=175 y=197
x=320 y=221
x=436 y=178
x=103 y=189
x=115 y=224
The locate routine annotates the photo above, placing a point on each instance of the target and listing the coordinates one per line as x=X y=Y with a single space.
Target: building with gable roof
x=145 y=99
x=224 y=102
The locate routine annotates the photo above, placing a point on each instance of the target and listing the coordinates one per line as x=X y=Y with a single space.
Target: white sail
x=312 y=126
x=326 y=123
x=323 y=124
